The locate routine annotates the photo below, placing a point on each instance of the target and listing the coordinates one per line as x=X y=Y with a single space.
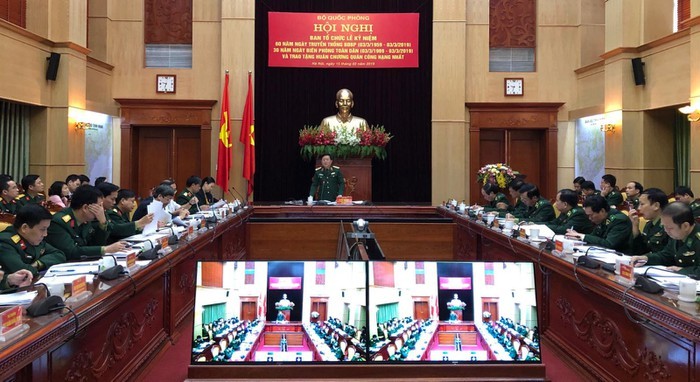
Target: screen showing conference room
x=291 y=311
x=452 y=312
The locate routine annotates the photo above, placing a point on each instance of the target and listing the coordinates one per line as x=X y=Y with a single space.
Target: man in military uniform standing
x=22 y=244
x=613 y=228
x=685 y=194
x=187 y=198
x=682 y=253
x=8 y=193
x=33 y=190
x=327 y=180
x=571 y=216
x=71 y=230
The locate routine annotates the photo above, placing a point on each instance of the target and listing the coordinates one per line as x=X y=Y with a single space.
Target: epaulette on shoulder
x=66 y=218
x=16 y=239
x=318 y=168
x=336 y=167
x=186 y=193
x=19 y=197
x=697 y=235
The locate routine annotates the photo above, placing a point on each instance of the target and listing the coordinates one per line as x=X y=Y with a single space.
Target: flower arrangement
x=500 y=174
x=343 y=142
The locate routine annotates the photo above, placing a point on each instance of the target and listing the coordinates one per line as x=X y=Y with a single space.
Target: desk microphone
x=646 y=284
x=112 y=272
x=46 y=305
x=173 y=239
x=589 y=262
x=245 y=202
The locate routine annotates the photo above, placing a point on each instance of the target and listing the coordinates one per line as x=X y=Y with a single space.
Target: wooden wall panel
x=512 y=24
x=168 y=21
x=14 y=11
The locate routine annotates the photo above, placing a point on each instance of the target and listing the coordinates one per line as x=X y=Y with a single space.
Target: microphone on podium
x=244 y=201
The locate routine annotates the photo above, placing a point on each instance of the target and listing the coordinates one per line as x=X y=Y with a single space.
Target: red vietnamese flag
x=223 y=163
x=248 y=139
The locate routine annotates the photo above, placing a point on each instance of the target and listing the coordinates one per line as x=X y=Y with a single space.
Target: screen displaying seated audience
x=364 y=312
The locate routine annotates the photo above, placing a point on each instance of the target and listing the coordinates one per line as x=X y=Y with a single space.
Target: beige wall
x=583 y=57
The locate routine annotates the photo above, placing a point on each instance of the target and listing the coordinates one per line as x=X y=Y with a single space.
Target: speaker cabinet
x=52 y=69
x=638 y=70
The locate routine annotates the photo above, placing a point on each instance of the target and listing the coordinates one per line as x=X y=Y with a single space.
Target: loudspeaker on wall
x=638 y=71
x=52 y=69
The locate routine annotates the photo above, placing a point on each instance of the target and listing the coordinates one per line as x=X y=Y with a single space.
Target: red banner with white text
x=343 y=40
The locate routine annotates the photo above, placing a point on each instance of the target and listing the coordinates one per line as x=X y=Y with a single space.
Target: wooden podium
x=358 y=176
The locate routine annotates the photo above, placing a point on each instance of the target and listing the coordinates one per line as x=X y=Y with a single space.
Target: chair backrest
x=391 y=349
x=350 y=352
x=215 y=350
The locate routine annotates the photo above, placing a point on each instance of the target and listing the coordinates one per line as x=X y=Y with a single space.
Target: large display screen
x=257 y=312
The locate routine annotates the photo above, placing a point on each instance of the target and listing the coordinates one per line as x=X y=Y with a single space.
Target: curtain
x=386 y=312
x=213 y=312
x=14 y=139
x=681 y=176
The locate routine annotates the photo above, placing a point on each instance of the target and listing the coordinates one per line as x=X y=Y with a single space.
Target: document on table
x=668 y=279
x=159 y=214
x=18 y=298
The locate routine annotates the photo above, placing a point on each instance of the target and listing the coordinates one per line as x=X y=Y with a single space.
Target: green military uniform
x=329 y=182
x=575 y=218
x=76 y=240
x=500 y=198
x=519 y=208
x=25 y=199
x=10 y=207
x=184 y=198
x=614 y=198
x=695 y=207
x=680 y=253
x=652 y=239
x=541 y=212
x=612 y=233
x=119 y=225
x=16 y=254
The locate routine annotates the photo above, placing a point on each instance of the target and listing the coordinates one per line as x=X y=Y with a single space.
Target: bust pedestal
x=284 y=312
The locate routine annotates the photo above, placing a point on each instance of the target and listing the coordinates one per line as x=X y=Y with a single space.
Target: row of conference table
x=608 y=330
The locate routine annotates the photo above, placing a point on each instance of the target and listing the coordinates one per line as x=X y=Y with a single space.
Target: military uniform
x=184 y=198
x=542 y=211
x=652 y=239
x=119 y=225
x=16 y=254
x=329 y=182
x=25 y=199
x=76 y=240
x=695 y=207
x=575 y=218
x=500 y=198
x=519 y=208
x=680 y=253
x=612 y=233
x=205 y=198
x=10 y=207
x=614 y=198
x=633 y=202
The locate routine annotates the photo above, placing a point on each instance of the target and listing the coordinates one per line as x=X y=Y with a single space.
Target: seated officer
x=588 y=189
x=187 y=196
x=685 y=195
x=164 y=195
x=327 y=180
x=682 y=253
x=8 y=193
x=204 y=195
x=22 y=244
x=538 y=209
x=613 y=228
x=33 y=190
x=633 y=191
x=608 y=190
x=496 y=200
x=578 y=181
x=654 y=237
x=514 y=190
x=119 y=227
x=71 y=231
x=570 y=214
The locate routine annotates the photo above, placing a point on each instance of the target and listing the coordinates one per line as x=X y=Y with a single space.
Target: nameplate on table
x=11 y=319
x=78 y=286
x=164 y=242
x=131 y=260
